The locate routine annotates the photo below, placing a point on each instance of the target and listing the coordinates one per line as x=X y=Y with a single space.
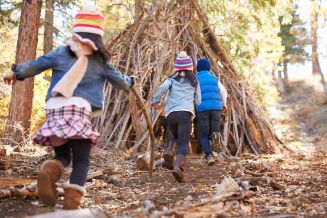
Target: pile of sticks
x=147 y=49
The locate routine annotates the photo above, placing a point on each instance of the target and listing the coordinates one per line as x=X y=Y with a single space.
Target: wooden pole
x=149 y=127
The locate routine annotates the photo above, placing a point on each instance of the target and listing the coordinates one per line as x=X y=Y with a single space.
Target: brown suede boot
x=73 y=196
x=169 y=156
x=177 y=172
x=51 y=172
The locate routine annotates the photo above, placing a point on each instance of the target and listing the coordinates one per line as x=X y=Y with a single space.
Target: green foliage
x=261 y=4
x=118 y=13
x=7 y=8
x=294 y=38
x=249 y=30
x=8 y=34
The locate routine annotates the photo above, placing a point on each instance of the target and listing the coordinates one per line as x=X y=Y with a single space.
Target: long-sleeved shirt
x=223 y=93
x=181 y=96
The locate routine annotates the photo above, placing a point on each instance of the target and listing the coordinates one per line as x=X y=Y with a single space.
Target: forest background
x=261 y=37
x=279 y=51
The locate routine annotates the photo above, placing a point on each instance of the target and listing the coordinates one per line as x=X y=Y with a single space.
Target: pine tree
x=22 y=92
x=294 y=39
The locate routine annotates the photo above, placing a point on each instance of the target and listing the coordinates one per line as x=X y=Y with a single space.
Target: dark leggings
x=180 y=124
x=208 y=123
x=79 y=150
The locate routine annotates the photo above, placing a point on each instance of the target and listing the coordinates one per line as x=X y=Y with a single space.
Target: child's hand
x=10 y=79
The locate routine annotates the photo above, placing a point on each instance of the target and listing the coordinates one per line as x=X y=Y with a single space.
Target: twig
x=220 y=198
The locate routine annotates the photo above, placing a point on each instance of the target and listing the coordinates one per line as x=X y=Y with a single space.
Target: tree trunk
x=273 y=72
x=285 y=62
x=48 y=26
x=316 y=70
x=139 y=7
x=314 y=39
x=20 y=109
x=281 y=84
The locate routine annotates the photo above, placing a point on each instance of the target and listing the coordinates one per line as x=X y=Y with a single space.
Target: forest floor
x=290 y=183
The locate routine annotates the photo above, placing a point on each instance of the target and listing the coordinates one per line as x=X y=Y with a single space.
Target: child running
x=183 y=91
x=79 y=71
x=214 y=97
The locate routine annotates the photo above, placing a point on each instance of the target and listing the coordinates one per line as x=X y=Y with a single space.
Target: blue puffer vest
x=210 y=93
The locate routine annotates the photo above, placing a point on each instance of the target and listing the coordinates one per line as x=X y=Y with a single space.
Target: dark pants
x=208 y=123
x=79 y=150
x=180 y=125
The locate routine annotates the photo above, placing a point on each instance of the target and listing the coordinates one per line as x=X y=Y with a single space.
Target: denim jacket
x=181 y=96
x=92 y=84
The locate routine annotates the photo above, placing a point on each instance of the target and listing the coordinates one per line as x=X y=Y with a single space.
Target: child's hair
x=189 y=76
x=97 y=40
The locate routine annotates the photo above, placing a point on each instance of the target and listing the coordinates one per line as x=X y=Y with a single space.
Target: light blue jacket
x=181 y=96
x=91 y=86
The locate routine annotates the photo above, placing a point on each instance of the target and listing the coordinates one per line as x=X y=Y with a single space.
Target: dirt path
x=292 y=184
x=299 y=117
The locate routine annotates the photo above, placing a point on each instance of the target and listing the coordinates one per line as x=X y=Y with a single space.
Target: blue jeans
x=180 y=125
x=208 y=123
x=79 y=150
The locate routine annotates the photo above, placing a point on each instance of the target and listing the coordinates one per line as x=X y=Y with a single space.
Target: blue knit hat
x=203 y=64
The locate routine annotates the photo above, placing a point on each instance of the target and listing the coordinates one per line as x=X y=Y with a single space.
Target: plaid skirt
x=67 y=122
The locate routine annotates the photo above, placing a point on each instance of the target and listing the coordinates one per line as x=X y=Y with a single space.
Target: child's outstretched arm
x=163 y=88
x=34 y=67
x=117 y=79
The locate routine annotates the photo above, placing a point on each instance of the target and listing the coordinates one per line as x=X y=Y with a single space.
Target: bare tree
x=314 y=39
x=314 y=43
x=22 y=92
x=48 y=26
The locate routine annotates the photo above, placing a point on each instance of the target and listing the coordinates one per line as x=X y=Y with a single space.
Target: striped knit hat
x=88 y=21
x=183 y=62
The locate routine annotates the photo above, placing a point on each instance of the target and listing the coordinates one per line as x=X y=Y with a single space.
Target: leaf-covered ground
x=291 y=182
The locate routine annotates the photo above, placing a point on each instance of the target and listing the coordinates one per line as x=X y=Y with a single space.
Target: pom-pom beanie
x=183 y=62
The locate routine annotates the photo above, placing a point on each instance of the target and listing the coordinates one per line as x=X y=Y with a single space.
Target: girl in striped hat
x=79 y=70
x=183 y=91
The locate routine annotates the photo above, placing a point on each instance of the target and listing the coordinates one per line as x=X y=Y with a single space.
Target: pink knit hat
x=183 y=62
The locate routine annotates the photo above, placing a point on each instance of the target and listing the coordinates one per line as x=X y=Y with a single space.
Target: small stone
x=245 y=185
x=148 y=206
x=188 y=198
x=228 y=185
